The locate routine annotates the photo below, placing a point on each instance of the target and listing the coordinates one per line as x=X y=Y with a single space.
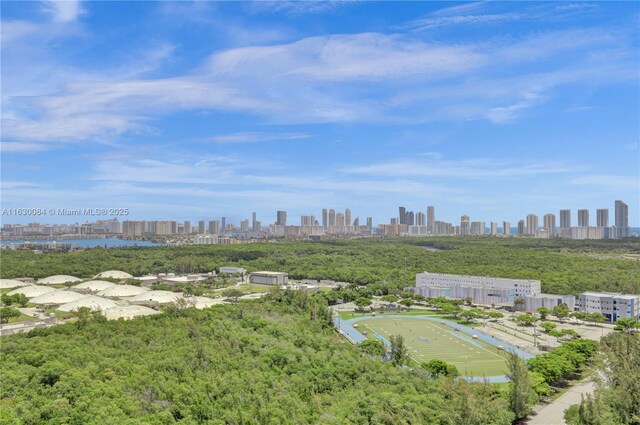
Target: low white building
x=270 y=278
x=612 y=305
x=482 y=289
x=232 y=270
x=534 y=301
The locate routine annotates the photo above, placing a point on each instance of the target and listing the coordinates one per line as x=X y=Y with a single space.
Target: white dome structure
x=161 y=297
x=90 y=301
x=93 y=285
x=58 y=279
x=128 y=312
x=119 y=291
x=56 y=297
x=12 y=283
x=113 y=274
x=32 y=290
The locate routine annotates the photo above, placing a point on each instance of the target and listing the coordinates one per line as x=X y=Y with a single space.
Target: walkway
x=553 y=413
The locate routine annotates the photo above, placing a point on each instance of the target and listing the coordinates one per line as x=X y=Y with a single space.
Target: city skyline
x=198 y=110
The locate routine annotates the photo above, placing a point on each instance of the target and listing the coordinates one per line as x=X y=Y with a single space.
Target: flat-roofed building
x=482 y=289
x=270 y=278
x=232 y=270
x=612 y=305
x=533 y=302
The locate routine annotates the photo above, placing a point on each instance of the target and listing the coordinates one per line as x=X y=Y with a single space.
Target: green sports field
x=428 y=340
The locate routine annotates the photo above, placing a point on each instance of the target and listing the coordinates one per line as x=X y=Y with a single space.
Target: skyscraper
x=214 y=227
x=356 y=223
x=187 y=227
x=431 y=219
x=520 y=228
x=565 y=219
x=583 y=218
x=340 y=219
x=465 y=226
x=201 y=227
x=622 y=220
x=244 y=225
x=420 y=219
x=347 y=217
x=223 y=225
x=281 y=218
x=550 y=223
x=409 y=218
x=506 y=228
x=602 y=217
x=622 y=214
x=494 y=229
x=370 y=223
x=253 y=221
x=532 y=225
x=332 y=217
x=325 y=218
x=402 y=211
x=307 y=220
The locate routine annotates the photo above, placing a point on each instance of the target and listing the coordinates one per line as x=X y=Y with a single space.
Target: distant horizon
x=198 y=110
x=235 y=219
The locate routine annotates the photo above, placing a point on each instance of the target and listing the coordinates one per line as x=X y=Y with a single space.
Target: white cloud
x=64 y=10
x=20 y=147
x=253 y=137
x=612 y=182
x=465 y=168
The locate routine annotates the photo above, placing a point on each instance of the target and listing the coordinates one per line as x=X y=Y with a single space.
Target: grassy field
x=428 y=340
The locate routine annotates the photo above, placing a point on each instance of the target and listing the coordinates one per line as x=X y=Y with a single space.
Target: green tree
x=362 y=302
x=437 y=367
x=561 y=311
x=468 y=301
x=521 y=394
x=399 y=351
x=7 y=313
x=373 y=347
x=543 y=312
x=548 y=326
x=232 y=293
x=407 y=302
x=525 y=319
x=390 y=298
x=627 y=325
x=596 y=318
x=518 y=303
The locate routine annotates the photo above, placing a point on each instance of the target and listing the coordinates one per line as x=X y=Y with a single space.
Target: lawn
x=428 y=340
x=253 y=287
x=351 y=314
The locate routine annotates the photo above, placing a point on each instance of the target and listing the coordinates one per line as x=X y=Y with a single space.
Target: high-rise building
x=622 y=220
x=281 y=218
x=356 y=223
x=565 y=219
x=325 y=218
x=532 y=225
x=339 y=219
x=370 y=223
x=520 y=228
x=494 y=229
x=347 y=217
x=477 y=228
x=402 y=211
x=602 y=217
x=550 y=223
x=254 y=219
x=420 y=219
x=506 y=228
x=431 y=219
x=201 y=227
x=622 y=214
x=214 y=227
x=465 y=226
x=244 y=225
x=223 y=225
x=187 y=227
x=409 y=218
x=583 y=218
x=332 y=217
x=307 y=220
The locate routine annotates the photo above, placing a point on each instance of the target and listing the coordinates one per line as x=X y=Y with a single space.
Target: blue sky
x=200 y=110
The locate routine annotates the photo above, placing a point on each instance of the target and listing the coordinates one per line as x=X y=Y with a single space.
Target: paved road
x=553 y=414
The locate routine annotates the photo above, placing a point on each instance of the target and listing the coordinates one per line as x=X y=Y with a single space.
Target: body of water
x=87 y=243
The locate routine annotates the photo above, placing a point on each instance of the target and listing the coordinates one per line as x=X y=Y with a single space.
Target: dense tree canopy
x=563 y=266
